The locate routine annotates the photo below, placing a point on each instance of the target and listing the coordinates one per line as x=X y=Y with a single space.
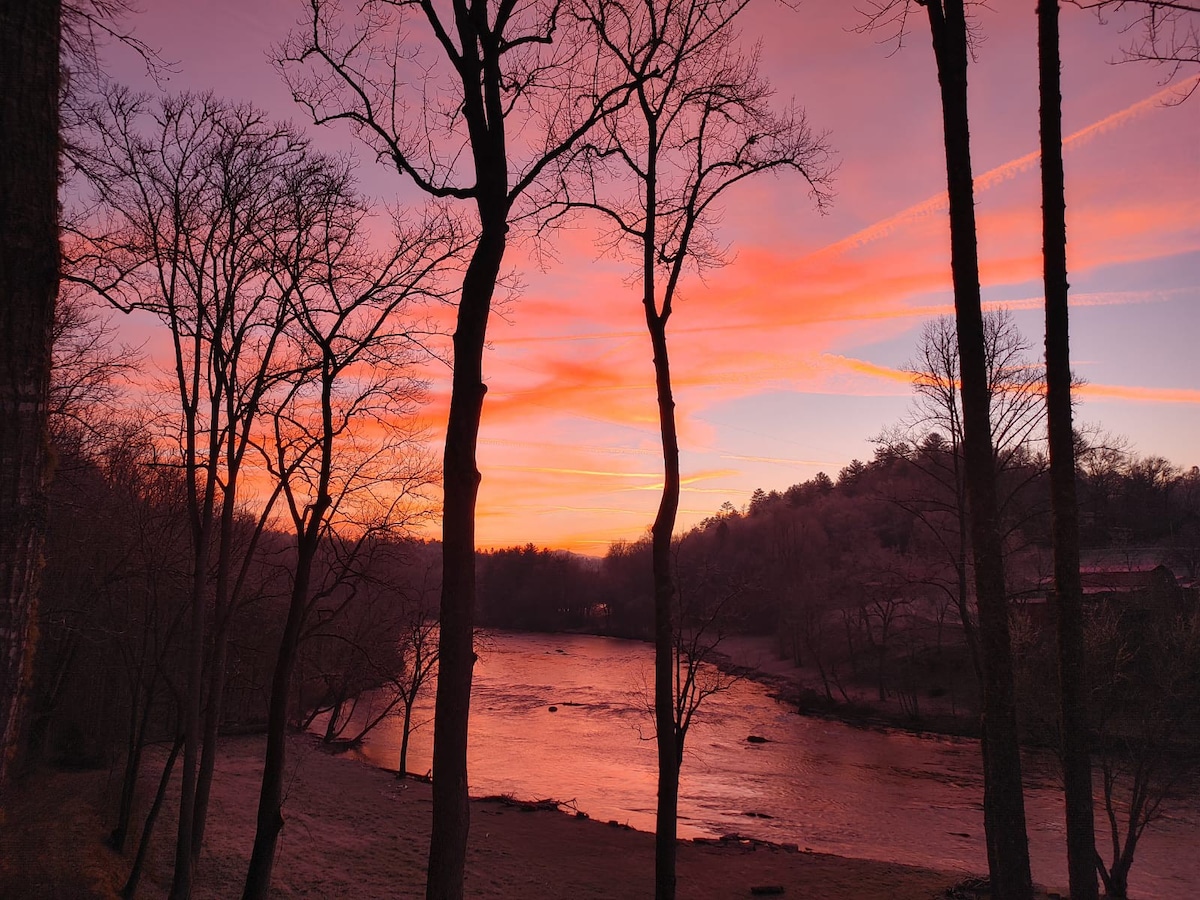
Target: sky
x=789 y=360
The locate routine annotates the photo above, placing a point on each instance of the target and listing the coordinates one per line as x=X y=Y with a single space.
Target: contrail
x=1098 y=391
x=1010 y=169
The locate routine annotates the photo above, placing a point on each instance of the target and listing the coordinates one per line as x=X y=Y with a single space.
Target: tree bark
x=1068 y=589
x=1004 y=815
x=29 y=263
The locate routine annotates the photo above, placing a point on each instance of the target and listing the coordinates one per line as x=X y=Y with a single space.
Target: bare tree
x=700 y=123
x=352 y=359
x=419 y=660
x=706 y=612
x=389 y=655
x=1165 y=33
x=190 y=193
x=89 y=368
x=930 y=441
x=1144 y=689
x=471 y=102
x=1004 y=805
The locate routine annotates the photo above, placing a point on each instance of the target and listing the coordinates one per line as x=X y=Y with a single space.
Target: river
x=820 y=784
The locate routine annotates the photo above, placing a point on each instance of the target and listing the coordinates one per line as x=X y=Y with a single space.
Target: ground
x=353 y=831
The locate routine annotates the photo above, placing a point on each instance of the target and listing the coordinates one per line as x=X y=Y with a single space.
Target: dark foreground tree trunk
x=181 y=882
x=1068 y=589
x=460 y=484
x=29 y=257
x=270 y=797
x=1004 y=812
x=1116 y=880
x=666 y=827
x=222 y=612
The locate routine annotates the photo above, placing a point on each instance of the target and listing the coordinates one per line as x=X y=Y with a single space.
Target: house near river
x=1141 y=584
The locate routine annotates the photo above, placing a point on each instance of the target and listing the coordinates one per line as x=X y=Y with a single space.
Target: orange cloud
x=868 y=368
x=1139 y=394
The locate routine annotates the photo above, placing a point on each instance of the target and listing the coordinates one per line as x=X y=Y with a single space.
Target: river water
x=819 y=784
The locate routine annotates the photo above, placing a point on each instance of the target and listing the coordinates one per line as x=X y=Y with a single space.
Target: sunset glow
x=790 y=359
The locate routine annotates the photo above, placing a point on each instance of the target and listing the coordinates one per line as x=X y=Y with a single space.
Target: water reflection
x=819 y=784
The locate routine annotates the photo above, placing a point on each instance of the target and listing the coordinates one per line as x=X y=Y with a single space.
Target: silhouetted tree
x=1004 y=805
x=192 y=196
x=418 y=665
x=512 y=89
x=930 y=443
x=707 y=610
x=700 y=123
x=1145 y=690
x=1064 y=505
x=351 y=370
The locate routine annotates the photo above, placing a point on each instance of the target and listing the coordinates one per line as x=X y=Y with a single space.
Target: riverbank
x=356 y=831
x=802 y=689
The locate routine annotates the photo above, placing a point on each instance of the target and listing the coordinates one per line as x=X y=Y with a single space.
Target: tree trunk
x=1004 y=816
x=181 y=882
x=139 y=860
x=335 y=713
x=222 y=613
x=270 y=797
x=460 y=485
x=960 y=573
x=139 y=722
x=29 y=259
x=405 y=734
x=666 y=830
x=1068 y=589
x=1116 y=885
x=212 y=725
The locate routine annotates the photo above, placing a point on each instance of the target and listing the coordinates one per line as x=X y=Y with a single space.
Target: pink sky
x=787 y=361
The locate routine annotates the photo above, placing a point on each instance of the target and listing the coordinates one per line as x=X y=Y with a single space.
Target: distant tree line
x=831 y=544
